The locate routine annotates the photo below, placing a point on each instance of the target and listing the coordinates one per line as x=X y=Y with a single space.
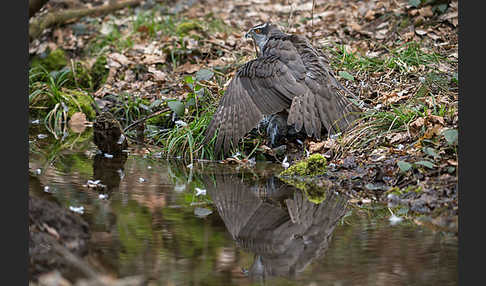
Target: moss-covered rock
x=314 y=165
x=54 y=61
x=99 y=72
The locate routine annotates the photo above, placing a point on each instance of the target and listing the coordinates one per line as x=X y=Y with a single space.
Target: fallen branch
x=59 y=17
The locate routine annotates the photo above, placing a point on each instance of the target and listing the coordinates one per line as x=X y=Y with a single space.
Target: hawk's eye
x=258 y=31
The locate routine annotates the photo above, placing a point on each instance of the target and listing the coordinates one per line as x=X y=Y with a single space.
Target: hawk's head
x=261 y=33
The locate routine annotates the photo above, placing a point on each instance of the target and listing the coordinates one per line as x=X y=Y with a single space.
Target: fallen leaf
x=187 y=68
x=77 y=122
x=417 y=123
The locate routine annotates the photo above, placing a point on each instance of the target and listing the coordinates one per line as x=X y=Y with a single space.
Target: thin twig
x=312 y=21
x=289 y=25
x=145 y=118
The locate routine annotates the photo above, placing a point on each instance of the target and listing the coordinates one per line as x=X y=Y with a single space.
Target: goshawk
x=290 y=75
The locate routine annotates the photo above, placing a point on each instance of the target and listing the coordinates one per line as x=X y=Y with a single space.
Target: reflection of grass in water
x=53 y=152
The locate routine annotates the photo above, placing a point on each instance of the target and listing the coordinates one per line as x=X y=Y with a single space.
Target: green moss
x=185 y=27
x=398 y=191
x=312 y=191
x=314 y=165
x=54 y=61
x=82 y=77
x=84 y=101
x=99 y=72
x=159 y=120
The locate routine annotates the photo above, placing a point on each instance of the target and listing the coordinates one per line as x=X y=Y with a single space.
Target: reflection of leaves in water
x=284 y=240
x=51 y=152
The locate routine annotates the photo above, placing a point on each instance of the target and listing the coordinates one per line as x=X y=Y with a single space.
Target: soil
x=51 y=224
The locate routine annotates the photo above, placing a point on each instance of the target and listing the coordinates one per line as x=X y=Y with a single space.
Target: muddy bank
x=52 y=227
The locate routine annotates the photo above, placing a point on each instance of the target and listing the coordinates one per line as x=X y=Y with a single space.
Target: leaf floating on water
x=79 y=210
x=35 y=121
x=41 y=136
x=202 y=212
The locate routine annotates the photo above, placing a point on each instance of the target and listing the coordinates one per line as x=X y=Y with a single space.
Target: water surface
x=214 y=224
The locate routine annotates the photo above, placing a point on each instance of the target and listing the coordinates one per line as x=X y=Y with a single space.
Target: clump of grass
x=129 y=108
x=400 y=59
x=49 y=95
x=185 y=141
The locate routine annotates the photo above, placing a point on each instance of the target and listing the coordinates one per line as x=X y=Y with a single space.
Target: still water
x=215 y=224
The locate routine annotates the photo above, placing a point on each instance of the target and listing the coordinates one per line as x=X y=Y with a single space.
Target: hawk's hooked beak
x=248 y=34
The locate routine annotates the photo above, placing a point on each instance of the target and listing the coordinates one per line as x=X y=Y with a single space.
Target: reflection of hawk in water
x=284 y=241
x=289 y=75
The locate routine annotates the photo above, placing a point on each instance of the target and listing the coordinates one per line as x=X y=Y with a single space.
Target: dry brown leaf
x=316 y=146
x=154 y=59
x=77 y=122
x=370 y=15
x=417 y=123
x=452 y=162
x=397 y=137
x=157 y=74
x=435 y=119
x=426 y=11
x=188 y=68
x=121 y=59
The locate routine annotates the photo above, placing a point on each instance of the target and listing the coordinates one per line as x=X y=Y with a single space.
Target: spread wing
x=291 y=74
x=261 y=87
x=324 y=102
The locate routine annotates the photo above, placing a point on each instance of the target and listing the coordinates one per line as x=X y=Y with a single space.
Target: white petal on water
x=108 y=155
x=190 y=166
x=35 y=121
x=79 y=210
x=141 y=180
x=395 y=219
x=41 y=136
x=103 y=196
x=46 y=189
x=299 y=141
x=285 y=164
x=38 y=171
x=120 y=173
x=90 y=182
x=149 y=167
x=200 y=191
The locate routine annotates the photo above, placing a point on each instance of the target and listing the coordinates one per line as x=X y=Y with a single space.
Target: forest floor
x=400 y=59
